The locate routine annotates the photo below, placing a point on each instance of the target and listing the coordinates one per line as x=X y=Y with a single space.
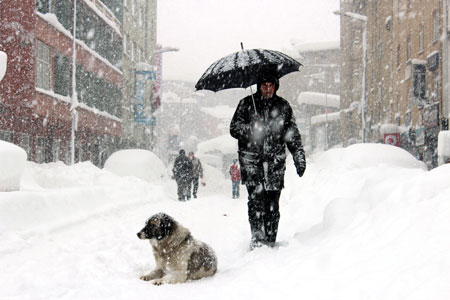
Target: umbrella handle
x=253 y=99
x=251 y=91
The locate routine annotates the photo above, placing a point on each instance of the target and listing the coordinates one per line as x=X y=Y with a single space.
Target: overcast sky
x=206 y=30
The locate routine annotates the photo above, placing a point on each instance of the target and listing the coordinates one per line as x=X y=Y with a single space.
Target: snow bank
x=364 y=222
x=444 y=147
x=223 y=144
x=54 y=195
x=12 y=164
x=143 y=164
x=3 y=64
x=369 y=155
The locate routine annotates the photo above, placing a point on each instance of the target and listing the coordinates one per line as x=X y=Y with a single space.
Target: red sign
x=392 y=139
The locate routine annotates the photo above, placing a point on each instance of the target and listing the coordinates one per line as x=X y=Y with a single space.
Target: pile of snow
x=364 y=222
x=3 y=64
x=444 y=147
x=143 y=164
x=224 y=144
x=12 y=164
x=370 y=155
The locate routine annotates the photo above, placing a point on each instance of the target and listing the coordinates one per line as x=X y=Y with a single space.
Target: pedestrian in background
x=235 y=173
x=197 y=172
x=182 y=172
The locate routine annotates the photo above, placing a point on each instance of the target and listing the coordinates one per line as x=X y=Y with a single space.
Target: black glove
x=300 y=170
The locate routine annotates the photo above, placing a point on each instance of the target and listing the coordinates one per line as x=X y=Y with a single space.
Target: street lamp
x=362 y=18
x=74 y=99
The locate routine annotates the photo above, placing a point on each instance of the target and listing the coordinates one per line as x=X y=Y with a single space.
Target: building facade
x=309 y=89
x=35 y=95
x=394 y=95
x=139 y=45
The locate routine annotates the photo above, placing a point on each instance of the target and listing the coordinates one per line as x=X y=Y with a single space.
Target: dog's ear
x=166 y=225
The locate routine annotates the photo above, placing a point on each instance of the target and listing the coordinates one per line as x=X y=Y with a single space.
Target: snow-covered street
x=364 y=222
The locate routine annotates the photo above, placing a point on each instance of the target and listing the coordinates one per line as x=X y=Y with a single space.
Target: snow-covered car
x=137 y=162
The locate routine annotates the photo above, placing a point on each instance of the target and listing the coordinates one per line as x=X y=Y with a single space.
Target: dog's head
x=157 y=227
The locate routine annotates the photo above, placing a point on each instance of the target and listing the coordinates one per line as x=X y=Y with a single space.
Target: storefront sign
x=420 y=137
x=392 y=139
x=431 y=115
x=141 y=113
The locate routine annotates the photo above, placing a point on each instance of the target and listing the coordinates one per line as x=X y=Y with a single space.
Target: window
x=436 y=26
x=63 y=75
x=43 y=6
x=421 y=38
x=419 y=83
x=140 y=17
x=6 y=136
x=380 y=49
x=134 y=7
x=408 y=48
x=435 y=86
x=55 y=149
x=43 y=78
x=41 y=143
x=24 y=143
x=125 y=41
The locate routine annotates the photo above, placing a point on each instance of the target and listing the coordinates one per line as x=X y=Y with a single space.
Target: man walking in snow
x=197 y=171
x=235 y=173
x=262 y=138
x=182 y=171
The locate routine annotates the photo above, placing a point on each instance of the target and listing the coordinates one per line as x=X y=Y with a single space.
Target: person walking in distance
x=182 y=172
x=264 y=125
x=197 y=172
x=235 y=173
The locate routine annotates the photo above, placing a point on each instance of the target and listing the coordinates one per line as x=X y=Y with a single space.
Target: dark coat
x=262 y=140
x=182 y=169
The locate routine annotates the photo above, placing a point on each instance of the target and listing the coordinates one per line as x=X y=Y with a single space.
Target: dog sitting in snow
x=178 y=256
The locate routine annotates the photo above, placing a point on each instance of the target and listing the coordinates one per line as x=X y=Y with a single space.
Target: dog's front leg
x=155 y=274
x=172 y=277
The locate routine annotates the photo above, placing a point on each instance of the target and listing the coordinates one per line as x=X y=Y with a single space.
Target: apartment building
x=392 y=87
x=35 y=94
x=140 y=99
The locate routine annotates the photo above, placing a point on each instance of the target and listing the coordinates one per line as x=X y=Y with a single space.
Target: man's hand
x=300 y=170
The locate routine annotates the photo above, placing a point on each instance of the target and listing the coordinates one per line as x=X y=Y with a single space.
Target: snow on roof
x=321 y=99
x=325 y=117
x=416 y=61
x=318 y=46
x=389 y=128
x=219 y=112
x=171 y=97
x=67 y=99
x=224 y=144
x=107 y=20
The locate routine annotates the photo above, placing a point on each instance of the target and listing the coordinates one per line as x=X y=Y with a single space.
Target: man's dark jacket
x=262 y=140
x=182 y=169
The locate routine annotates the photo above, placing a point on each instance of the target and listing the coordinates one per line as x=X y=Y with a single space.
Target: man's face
x=267 y=89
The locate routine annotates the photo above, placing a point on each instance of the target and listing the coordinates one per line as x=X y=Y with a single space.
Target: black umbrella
x=241 y=69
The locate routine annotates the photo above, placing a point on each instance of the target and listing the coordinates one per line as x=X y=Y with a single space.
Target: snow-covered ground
x=364 y=222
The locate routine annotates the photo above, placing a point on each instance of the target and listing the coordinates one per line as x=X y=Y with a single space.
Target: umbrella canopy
x=241 y=69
